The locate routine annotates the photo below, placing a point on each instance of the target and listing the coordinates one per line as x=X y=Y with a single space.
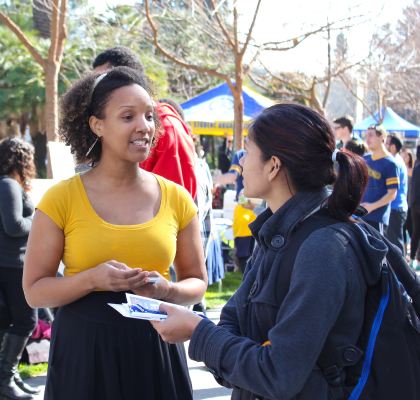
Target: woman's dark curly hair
x=82 y=100
x=17 y=156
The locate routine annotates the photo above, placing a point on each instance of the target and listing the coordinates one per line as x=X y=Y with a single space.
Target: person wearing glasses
x=225 y=153
x=384 y=179
x=343 y=128
x=243 y=215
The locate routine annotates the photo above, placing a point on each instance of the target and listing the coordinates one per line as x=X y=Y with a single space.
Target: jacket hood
x=370 y=250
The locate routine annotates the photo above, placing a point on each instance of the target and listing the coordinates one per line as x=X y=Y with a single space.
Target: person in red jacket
x=174 y=154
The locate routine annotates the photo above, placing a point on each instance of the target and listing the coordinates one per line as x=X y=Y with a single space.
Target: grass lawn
x=30 y=370
x=230 y=284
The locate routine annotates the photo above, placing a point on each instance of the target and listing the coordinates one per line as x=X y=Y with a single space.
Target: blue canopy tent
x=211 y=113
x=392 y=123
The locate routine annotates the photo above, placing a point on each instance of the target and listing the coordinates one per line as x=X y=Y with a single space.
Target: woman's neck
x=279 y=196
x=116 y=175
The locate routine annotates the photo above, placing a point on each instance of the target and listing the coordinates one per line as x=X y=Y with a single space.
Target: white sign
x=62 y=162
x=39 y=187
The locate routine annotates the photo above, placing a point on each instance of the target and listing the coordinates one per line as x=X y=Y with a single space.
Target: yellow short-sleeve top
x=90 y=241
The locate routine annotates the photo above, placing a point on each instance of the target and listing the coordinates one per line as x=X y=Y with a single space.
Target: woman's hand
x=117 y=277
x=179 y=326
x=154 y=290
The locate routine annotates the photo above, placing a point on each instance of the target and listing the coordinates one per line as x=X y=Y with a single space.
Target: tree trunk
x=23 y=123
x=238 y=103
x=51 y=95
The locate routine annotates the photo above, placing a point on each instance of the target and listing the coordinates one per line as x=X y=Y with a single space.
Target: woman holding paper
x=115 y=227
x=272 y=330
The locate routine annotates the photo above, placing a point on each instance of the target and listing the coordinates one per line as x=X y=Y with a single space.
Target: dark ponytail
x=304 y=142
x=352 y=179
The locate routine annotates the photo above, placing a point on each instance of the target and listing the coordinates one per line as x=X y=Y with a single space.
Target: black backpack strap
x=327 y=363
x=326 y=360
x=318 y=220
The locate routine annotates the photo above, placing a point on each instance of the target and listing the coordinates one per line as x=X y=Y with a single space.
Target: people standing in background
x=17 y=319
x=174 y=155
x=224 y=154
x=408 y=157
x=355 y=147
x=414 y=203
x=383 y=179
x=242 y=217
x=343 y=128
x=399 y=206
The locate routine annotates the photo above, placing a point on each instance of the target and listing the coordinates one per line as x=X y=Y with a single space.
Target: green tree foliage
x=22 y=86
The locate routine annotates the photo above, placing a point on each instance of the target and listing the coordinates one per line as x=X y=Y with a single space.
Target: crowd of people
x=144 y=208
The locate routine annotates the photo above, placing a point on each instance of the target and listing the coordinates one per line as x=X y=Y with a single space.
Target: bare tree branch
x=249 y=67
x=299 y=39
x=22 y=37
x=175 y=59
x=349 y=88
x=328 y=78
x=54 y=30
x=222 y=25
x=235 y=33
x=248 y=38
x=62 y=29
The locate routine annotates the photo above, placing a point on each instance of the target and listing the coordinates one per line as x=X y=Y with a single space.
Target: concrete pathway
x=204 y=385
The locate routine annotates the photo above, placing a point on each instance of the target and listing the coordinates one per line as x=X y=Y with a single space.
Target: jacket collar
x=286 y=218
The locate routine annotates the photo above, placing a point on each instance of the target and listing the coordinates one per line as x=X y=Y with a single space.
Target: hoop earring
x=91 y=147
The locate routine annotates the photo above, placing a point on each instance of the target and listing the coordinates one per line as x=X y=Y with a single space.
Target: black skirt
x=96 y=353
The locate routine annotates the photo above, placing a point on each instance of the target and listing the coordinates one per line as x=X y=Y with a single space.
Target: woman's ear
x=96 y=125
x=274 y=168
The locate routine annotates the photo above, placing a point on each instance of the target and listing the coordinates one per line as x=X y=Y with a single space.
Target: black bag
x=389 y=368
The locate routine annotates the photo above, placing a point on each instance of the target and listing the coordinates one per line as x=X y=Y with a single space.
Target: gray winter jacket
x=16 y=214
x=328 y=285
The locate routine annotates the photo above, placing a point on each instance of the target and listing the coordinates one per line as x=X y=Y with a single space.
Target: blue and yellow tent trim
x=392 y=123
x=212 y=112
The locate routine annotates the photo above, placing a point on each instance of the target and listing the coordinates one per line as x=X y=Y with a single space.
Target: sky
x=285 y=19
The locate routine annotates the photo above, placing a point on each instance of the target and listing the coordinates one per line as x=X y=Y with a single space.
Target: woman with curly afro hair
x=117 y=229
x=17 y=319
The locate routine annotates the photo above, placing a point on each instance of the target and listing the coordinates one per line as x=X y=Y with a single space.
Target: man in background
x=343 y=128
x=399 y=206
x=224 y=153
x=383 y=180
x=242 y=217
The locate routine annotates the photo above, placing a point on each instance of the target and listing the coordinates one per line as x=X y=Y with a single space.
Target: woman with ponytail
x=270 y=336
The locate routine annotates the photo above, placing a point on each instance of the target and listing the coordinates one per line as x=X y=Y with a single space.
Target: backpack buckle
x=332 y=375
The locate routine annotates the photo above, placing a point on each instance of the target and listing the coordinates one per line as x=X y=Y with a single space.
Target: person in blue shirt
x=244 y=241
x=383 y=182
x=399 y=207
